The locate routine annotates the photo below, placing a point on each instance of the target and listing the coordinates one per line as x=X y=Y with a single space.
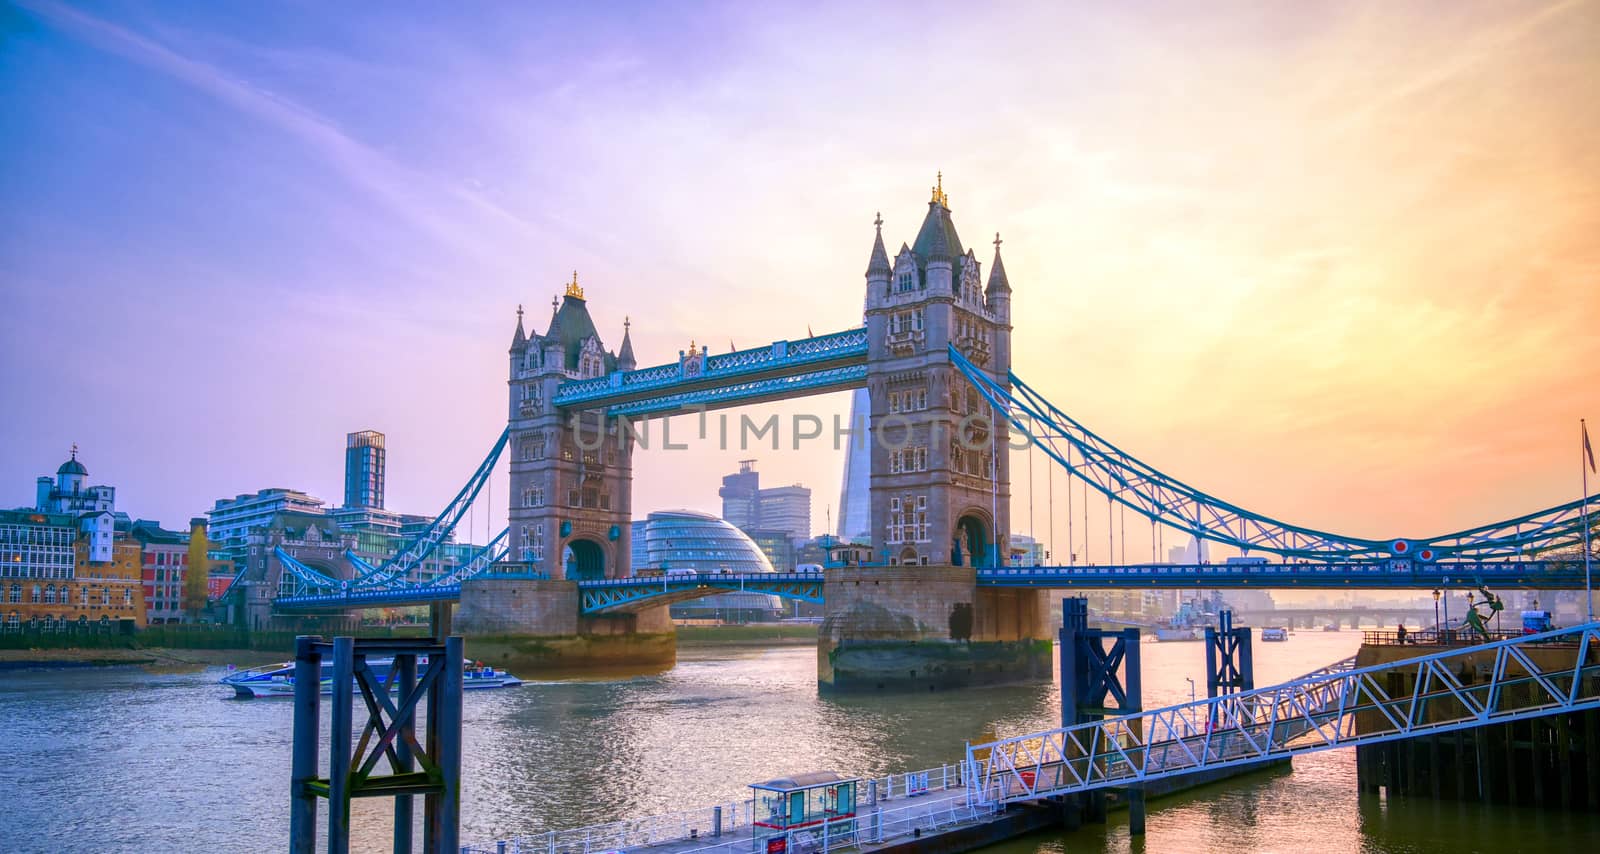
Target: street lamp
x=1436 y=610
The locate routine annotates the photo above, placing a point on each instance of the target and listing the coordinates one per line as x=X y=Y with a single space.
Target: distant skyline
x=1332 y=262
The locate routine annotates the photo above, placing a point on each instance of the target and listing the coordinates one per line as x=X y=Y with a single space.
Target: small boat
x=1331 y=627
x=1180 y=633
x=1274 y=633
x=277 y=680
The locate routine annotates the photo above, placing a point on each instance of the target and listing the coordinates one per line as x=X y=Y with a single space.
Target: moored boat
x=277 y=680
x=1274 y=633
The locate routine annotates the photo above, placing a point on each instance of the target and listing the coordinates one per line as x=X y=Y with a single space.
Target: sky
x=1334 y=262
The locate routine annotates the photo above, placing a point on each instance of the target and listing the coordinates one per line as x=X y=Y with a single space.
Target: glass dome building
x=688 y=539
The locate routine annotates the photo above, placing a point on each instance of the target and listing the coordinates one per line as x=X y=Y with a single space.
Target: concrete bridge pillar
x=926 y=628
x=527 y=624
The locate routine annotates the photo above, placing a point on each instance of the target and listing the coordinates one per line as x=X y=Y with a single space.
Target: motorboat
x=1274 y=633
x=277 y=680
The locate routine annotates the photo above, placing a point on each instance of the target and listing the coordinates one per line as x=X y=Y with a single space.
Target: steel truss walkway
x=1313 y=713
x=822 y=363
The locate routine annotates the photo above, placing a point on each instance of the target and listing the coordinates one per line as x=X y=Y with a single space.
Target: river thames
x=121 y=759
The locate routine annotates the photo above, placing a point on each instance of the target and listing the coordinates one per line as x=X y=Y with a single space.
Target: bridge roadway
x=616 y=595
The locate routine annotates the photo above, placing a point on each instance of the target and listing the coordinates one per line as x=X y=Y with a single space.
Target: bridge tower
x=940 y=482
x=571 y=473
x=941 y=485
x=570 y=504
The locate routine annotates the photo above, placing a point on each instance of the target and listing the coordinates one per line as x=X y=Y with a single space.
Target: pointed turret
x=554 y=329
x=625 y=360
x=937 y=239
x=519 y=341
x=878 y=264
x=997 y=271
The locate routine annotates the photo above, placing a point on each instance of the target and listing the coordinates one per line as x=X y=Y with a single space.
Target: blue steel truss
x=1531 y=676
x=1168 y=501
x=308 y=578
x=745 y=393
x=631 y=594
x=1392 y=574
x=739 y=368
x=402 y=567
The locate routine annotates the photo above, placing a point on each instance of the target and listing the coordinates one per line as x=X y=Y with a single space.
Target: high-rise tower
x=364 y=460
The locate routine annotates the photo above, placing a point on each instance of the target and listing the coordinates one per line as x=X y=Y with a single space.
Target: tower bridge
x=939 y=608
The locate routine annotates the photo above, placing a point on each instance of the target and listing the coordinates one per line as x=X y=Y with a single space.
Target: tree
x=195 y=581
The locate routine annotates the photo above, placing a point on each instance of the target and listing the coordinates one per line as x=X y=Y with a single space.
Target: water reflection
x=122 y=759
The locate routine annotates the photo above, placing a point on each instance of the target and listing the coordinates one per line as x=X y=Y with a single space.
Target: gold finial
x=572 y=287
x=692 y=351
x=938 y=191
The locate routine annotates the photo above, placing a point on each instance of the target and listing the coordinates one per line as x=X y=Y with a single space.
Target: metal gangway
x=1316 y=712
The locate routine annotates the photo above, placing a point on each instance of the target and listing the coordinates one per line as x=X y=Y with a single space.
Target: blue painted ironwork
x=1230 y=662
x=388 y=734
x=1097 y=680
x=776 y=360
x=401 y=567
x=383 y=597
x=1313 y=713
x=307 y=577
x=1377 y=575
x=747 y=392
x=632 y=594
x=1168 y=501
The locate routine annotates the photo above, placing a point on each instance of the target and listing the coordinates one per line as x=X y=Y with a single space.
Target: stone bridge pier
x=927 y=628
x=527 y=624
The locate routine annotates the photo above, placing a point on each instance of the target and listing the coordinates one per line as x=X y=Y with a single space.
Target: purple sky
x=1334 y=262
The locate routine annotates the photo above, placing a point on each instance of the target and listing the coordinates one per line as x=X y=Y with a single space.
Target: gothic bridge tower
x=940 y=472
x=570 y=481
x=940 y=484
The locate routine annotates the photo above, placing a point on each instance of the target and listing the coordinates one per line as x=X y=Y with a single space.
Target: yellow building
x=47 y=577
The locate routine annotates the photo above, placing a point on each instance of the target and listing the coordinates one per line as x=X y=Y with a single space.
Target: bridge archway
x=973 y=545
x=584 y=560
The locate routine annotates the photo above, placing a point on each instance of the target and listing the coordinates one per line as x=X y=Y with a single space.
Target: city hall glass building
x=687 y=539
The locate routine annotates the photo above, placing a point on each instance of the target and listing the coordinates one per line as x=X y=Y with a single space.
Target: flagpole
x=1584 y=455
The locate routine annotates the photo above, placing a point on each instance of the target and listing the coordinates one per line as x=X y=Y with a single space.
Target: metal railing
x=905 y=804
x=1313 y=713
x=1434 y=637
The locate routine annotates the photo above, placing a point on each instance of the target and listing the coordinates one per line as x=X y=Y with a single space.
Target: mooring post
x=405 y=679
x=341 y=720
x=1133 y=688
x=444 y=729
x=439 y=619
x=303 y=763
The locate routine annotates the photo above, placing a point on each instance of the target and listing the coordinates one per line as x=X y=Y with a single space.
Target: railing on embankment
x=1330 y=709
x=907 y=805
